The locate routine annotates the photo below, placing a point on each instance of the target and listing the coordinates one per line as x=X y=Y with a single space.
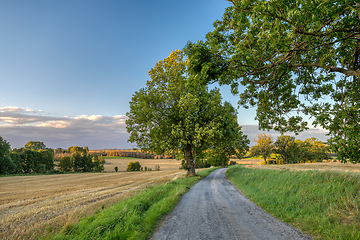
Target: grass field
x=32 y=205
x=325 y=204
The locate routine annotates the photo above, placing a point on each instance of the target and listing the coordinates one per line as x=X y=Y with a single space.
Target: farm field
x=30 y=205
x=324 y=166
x=121 y=163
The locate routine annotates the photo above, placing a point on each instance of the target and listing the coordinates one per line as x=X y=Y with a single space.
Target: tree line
x=288 y=149
x=35 y=157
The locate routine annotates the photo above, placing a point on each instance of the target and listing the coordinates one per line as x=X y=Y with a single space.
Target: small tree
x=116 y=169
x=65 y=164
x=287 y=148
x=133 y=166
x=264 y=146
x=35 y=145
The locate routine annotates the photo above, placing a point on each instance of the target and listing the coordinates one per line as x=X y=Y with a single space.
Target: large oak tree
x=288 y=58
x=174 y=114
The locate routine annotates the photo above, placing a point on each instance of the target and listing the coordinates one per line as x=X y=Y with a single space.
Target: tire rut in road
x=215 y=209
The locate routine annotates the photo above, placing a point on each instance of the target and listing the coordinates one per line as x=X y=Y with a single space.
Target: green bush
x=65 y=164
x=133 y=166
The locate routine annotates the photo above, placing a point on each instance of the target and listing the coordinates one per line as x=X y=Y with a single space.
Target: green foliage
x=6 y=164
x=133 y=166
x=77 y=149
x=290 y=58
x=263 y=146
x=134 y=218
x=177 y=114
x=116 y=168
x=323 y=204
x=291 y=150
x=65 y=164
x=35 y=145
x=287 y=148
x=82 y=162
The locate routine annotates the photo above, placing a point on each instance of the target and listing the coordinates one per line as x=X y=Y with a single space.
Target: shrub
x=65 y=164
x=232 y=163
x=116 y=169
x=133 y=166
x=157 y=167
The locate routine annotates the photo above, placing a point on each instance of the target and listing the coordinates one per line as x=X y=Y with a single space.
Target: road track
x=215 y=209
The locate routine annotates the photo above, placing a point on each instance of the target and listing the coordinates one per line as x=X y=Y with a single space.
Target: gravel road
x=215 y=209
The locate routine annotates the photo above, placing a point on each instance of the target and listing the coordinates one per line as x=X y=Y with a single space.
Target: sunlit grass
x=134 y=218
x=324 y=204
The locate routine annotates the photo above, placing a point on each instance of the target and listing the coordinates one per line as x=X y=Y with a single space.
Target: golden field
x=32 y=205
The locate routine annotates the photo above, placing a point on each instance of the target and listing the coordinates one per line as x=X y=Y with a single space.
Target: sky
x=68 y=68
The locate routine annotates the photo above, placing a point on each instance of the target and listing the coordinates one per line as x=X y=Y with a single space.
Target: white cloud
x=20 y=125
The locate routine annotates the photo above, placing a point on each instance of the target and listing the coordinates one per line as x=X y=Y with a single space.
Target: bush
x=65 y=164
x=133 y=166
x=232 y=163
x=116 y=169
x=157 y=168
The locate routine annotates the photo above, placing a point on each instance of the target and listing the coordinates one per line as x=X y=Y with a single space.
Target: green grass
x=323 y=204
x=135 y=218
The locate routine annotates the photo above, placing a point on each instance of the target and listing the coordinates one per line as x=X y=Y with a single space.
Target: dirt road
x=214 y=209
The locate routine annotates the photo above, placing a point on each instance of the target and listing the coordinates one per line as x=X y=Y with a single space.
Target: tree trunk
x=265 y=161
x=190 y=162
x=191 y=171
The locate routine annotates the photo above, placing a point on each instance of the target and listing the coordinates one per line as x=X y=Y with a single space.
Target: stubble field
x=32 y=205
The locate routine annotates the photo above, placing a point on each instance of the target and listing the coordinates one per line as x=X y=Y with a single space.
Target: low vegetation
x=325 y=204
x=134 y=218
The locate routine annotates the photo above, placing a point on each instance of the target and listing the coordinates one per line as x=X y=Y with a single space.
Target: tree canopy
x=35 y=145
x=290 y=58
x=264 y=146
x=174 y=114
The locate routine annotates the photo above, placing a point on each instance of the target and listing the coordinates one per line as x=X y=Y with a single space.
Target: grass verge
x=324 y=204
x=135 y=218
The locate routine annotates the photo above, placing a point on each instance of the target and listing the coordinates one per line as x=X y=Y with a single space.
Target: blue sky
x=68 y=68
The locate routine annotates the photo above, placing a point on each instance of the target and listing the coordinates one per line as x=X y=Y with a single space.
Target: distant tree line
x=131 y=154
x=288 y=149
x=35 y=157
x=82 y=162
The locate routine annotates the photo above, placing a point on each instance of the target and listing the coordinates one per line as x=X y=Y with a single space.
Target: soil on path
x=215 y=209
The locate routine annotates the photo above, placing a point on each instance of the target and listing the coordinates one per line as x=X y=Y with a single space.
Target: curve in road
x=215 y=209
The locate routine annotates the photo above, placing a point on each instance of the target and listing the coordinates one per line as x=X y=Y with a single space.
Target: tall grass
x=324 y=204
x=134 y=218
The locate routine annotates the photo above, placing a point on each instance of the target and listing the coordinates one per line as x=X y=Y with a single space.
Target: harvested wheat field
x=121 y=163
x=321 y=166
x=33 y=205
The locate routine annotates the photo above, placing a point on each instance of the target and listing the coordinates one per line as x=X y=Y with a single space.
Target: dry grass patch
x=324 y=166
x=32 y=205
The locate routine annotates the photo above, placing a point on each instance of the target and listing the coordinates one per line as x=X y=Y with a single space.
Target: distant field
x=324 y=166
x=41 y=203
x=121 y=163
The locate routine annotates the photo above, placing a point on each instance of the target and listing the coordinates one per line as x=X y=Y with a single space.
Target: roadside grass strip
x=324 y=204
x=134 y=218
